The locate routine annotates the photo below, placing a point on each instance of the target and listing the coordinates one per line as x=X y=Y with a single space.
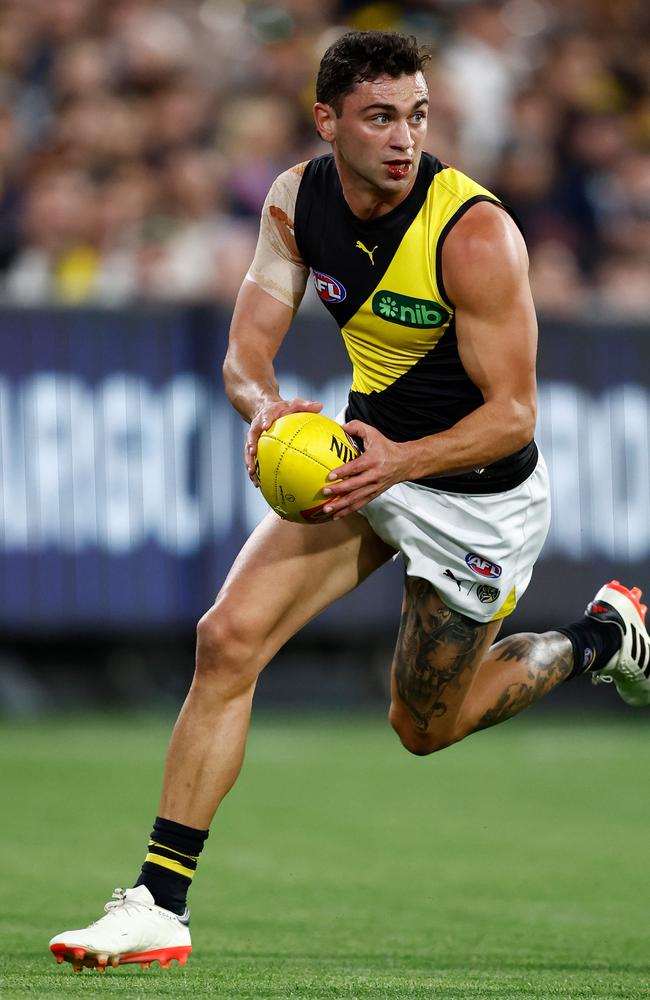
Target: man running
x=425 y=272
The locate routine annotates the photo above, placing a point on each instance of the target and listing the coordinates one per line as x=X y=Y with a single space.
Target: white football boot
x=133 y=930
x=629 y=668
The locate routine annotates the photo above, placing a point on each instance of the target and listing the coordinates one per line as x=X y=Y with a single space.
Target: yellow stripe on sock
x=192 y=857
x=174 y=866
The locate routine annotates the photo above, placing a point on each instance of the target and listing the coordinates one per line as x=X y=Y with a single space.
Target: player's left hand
x=381 y=464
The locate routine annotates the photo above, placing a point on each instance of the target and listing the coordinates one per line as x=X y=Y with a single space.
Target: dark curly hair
x=365 y=55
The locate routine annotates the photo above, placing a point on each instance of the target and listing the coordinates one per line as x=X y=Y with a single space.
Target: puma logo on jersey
x=359 y=245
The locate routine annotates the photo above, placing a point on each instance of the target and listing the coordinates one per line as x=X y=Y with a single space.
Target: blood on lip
x=398 y=169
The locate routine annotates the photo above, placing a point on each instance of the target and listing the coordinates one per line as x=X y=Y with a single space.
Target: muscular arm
x=263 y=313
x=259 y=325
x=485 y=270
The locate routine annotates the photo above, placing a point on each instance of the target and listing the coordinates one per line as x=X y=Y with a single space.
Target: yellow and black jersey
x=381 y=279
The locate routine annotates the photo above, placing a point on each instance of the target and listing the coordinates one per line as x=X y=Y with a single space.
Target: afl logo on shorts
x=483 y=566
x=329 y=289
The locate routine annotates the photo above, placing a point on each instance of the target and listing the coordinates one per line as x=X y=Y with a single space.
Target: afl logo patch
x=487 y=594
x=328 y=288
x=483 y=566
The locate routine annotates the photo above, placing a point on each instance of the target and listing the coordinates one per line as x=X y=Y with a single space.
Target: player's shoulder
x=318 y=171
x=484 y=253
x=484 y=232
x=478 y=215
x=460 y=186
x=286 y=186
x=287 y=183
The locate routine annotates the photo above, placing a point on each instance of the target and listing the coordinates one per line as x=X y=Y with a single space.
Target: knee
x=226 y=651
x=423 y=744
x=417 y=741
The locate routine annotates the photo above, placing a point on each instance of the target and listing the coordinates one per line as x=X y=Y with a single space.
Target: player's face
x=378 y=138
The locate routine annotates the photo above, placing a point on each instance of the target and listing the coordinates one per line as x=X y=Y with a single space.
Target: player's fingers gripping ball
x=294 y=457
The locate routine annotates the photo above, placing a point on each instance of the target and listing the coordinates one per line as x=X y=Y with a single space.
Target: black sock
x=170 y=864
x=594 y=643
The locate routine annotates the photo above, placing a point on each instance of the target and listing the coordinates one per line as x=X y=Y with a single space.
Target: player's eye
x=380 y=119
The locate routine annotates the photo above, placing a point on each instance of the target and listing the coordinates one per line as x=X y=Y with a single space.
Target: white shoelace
x=117 y=899
x=600 y=679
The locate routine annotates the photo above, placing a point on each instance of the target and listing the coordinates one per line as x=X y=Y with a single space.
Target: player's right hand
x=263 y=419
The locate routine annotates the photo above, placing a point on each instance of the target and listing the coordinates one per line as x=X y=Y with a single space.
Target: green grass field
x=514 y=865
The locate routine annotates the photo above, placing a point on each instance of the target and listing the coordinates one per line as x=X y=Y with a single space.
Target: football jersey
x=381 y=279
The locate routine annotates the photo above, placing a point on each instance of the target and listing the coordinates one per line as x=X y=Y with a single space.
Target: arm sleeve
x=277 y=265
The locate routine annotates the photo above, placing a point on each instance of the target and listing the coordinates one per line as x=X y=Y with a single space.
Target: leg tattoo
x=435 y=647
x=544 y=661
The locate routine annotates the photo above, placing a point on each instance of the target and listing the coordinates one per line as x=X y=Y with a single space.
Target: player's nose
x=401 y=137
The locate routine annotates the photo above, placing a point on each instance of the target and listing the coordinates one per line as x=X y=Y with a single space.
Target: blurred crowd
x=138 y=138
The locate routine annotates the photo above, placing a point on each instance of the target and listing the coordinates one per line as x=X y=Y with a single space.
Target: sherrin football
x=294 y=457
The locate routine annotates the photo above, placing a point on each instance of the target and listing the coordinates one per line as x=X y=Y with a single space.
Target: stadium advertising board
x=124 y=496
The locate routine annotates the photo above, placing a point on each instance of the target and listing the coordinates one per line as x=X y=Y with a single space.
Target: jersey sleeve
x=277 y=265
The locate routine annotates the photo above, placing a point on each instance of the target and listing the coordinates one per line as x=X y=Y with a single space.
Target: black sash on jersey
x=436 y=392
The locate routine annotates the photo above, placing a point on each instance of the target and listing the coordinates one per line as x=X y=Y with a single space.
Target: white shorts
x=478 y=551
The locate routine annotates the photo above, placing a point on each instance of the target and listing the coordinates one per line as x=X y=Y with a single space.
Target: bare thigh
x=287 y=573
x=437 y=656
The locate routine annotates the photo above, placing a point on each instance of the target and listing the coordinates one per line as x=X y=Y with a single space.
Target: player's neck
x=366 y=201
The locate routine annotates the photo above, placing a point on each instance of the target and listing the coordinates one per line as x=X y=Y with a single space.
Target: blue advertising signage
x=124 y=497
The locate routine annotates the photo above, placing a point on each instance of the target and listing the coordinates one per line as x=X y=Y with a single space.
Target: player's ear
x=325 y=119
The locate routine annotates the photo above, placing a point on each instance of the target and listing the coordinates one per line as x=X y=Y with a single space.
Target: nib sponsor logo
x=407 y=311
x=478 y=564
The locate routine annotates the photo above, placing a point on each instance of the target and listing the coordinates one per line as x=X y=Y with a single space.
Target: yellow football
x=294 y=457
